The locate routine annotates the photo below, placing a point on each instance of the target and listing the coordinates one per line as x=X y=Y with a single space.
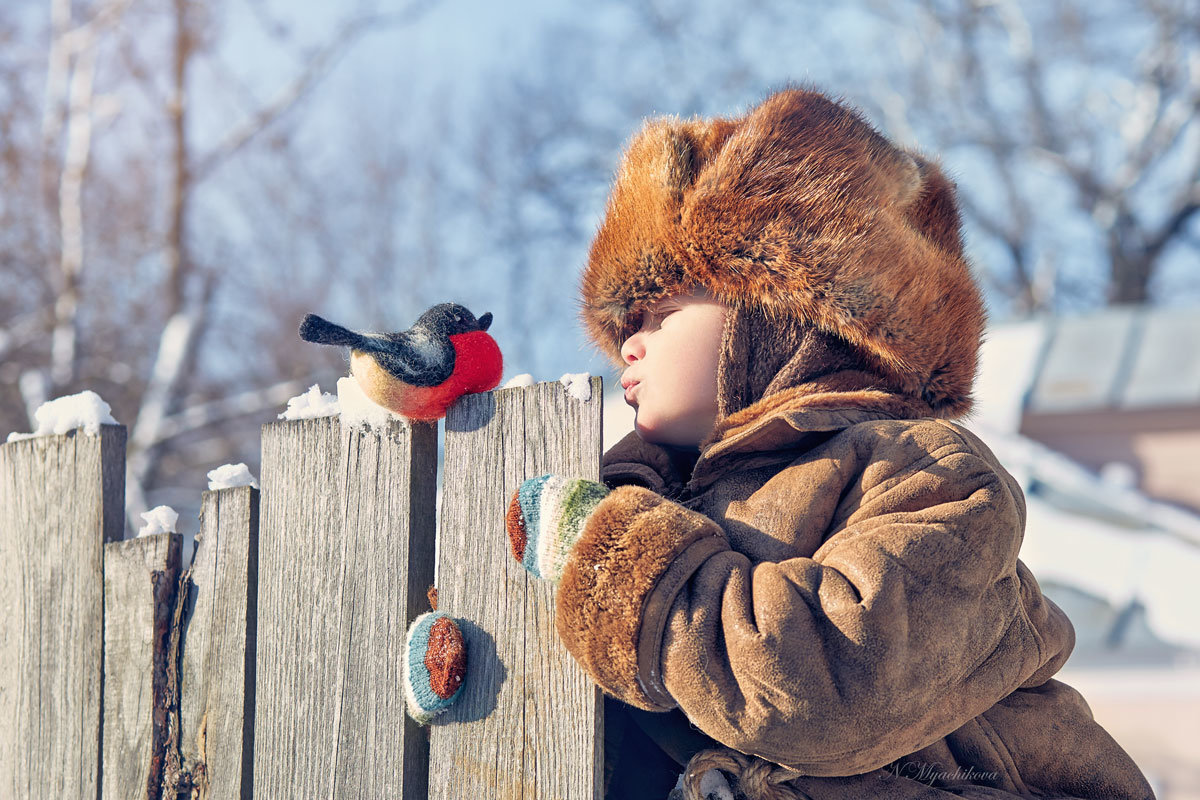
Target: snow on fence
x=271 y=666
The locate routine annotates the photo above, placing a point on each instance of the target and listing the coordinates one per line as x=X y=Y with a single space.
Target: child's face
x=671 y=379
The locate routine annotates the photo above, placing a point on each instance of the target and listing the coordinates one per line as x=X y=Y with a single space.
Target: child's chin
x=659 y=436
x=648 y=433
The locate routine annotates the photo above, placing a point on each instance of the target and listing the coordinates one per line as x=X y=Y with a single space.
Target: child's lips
x=629 y=392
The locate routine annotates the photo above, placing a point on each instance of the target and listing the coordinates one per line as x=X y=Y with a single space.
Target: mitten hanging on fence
x=435 y=665
x=545 y=519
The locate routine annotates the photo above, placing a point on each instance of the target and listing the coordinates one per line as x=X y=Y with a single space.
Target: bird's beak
x=485 y=321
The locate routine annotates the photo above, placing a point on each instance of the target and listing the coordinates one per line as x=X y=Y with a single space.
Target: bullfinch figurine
x=420 y=372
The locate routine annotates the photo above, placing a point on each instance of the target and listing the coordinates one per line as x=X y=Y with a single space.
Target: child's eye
x=652 y=319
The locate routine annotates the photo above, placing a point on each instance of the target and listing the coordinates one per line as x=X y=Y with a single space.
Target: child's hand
x=546 y=518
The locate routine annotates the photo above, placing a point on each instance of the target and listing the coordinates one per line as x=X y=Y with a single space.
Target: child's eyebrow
x=654 y=308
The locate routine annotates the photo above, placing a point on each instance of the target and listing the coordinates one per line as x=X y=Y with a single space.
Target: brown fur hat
x=802 y=210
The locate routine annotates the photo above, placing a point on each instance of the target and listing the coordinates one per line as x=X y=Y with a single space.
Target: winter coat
x=836 y=589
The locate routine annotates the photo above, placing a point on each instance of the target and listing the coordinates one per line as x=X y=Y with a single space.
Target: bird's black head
x=451 y=318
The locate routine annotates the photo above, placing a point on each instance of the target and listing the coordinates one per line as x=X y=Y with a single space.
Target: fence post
x=345 y=556
x=141 y=577
x=61 y=498
x=530 y=722
x=216 y=709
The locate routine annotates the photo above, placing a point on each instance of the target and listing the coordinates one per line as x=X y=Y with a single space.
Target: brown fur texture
x=802 y=210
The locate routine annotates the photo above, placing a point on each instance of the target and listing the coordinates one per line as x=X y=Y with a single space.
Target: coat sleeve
x=912 y=618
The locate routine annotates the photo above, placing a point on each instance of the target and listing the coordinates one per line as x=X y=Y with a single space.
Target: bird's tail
x=321 y=331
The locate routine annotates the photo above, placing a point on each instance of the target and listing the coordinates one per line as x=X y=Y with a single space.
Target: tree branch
x=243 y=404
x=318 y=67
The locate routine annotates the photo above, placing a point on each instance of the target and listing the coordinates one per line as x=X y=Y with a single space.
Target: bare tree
x=1099 y=98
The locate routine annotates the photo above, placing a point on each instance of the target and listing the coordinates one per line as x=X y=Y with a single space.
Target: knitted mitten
x=435 y=665
x=545 y=519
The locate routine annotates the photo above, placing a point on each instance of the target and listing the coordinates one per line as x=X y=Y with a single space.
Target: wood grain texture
x=140 y=580
x=530 y=722
x=217 y=664
x=345 y=555
x=61 y=498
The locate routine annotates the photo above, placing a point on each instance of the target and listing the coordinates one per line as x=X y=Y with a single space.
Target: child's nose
x=633 y=350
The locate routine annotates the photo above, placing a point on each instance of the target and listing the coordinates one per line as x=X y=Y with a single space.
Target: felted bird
x=420 y=372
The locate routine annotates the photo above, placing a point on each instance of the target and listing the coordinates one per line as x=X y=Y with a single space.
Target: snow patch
x=360 y=410
x=524 y=379
x=84 y=410
x=227 y=476
x=313 y=403
x=160 y=519
x=578 y=385
x=1117 y=564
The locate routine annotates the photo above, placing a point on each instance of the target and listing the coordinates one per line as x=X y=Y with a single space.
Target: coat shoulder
x=917 y=440
x=887 y=450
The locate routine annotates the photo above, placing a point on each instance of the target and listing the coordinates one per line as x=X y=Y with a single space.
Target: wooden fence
x=271 y=666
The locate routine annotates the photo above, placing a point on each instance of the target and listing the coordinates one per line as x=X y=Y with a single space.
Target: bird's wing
x=418 y=357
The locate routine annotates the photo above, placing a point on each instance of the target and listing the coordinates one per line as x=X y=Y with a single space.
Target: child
x=798 y=571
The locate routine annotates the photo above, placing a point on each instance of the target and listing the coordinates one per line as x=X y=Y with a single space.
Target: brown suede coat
x=835 y=589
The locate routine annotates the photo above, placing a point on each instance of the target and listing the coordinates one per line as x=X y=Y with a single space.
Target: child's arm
x=912 y=619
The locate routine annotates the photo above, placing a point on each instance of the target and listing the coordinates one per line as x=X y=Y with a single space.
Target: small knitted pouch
x=545 y=519
x=435 y=665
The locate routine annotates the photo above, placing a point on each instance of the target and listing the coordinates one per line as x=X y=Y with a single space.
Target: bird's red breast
x=478 y=366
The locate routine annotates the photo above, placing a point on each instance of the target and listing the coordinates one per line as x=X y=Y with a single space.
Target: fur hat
x=803 y=212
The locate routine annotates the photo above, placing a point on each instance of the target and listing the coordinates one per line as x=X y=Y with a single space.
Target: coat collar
x=795 y=419
x=770 y=430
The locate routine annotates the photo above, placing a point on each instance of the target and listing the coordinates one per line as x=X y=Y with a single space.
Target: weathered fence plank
x=530 y=722
x=389 y=526
x=61 y=498
x=217 y=663
x=140 y=580
x=345 y=550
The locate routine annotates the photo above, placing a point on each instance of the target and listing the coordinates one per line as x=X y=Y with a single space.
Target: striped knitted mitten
x=546 y=518
x=435 y=665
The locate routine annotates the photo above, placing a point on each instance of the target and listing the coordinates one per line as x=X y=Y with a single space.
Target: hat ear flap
x=678 y=164
x=932 y=209
x=906 y=178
